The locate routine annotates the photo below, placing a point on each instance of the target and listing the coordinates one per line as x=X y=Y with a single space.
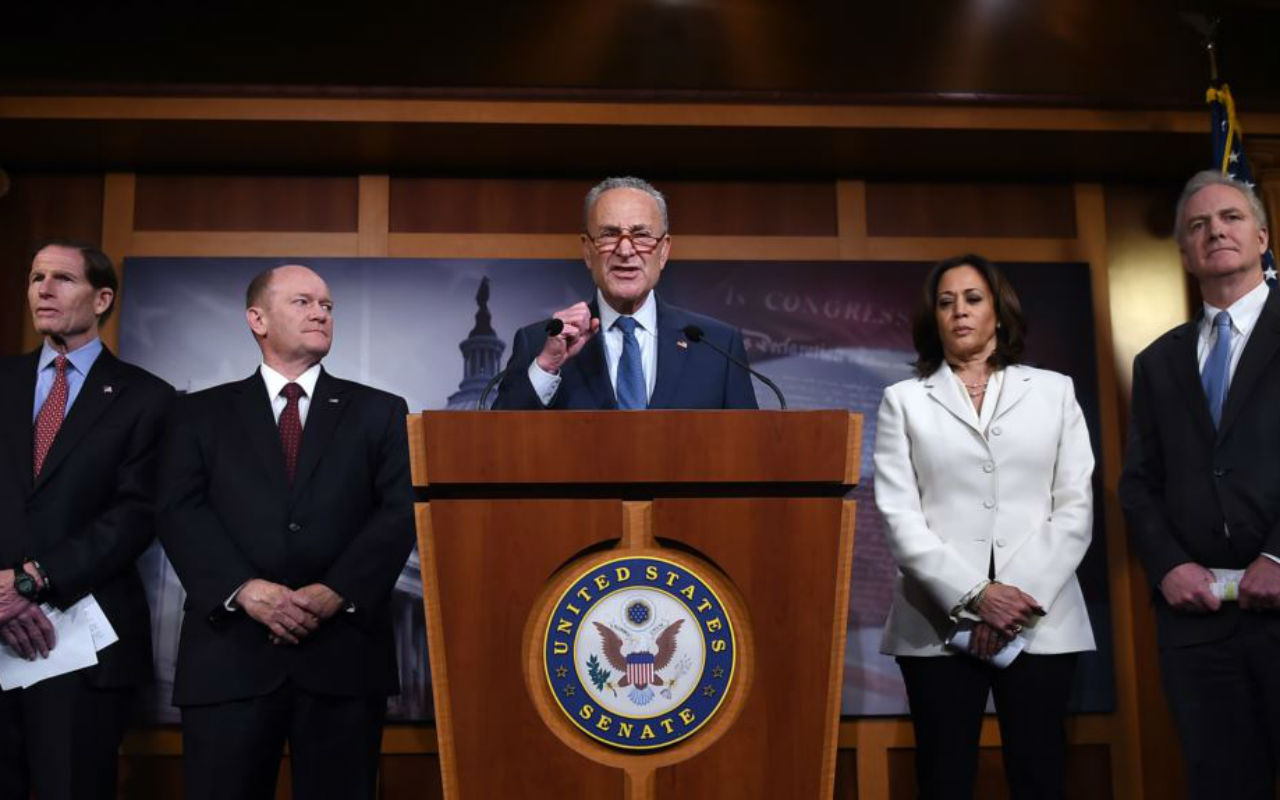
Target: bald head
x=290 y=313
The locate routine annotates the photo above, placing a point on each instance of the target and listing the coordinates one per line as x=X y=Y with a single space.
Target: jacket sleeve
x=515 y=391
x=1046 y=562
x=366 y=571
x=112 y=542
x=203 y=555
x=920 y=553
x=1142 y=485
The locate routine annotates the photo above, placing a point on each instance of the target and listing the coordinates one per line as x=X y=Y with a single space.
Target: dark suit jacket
x=91 y=512
x=1182 y=480
x=229 y=514
x=690 y=375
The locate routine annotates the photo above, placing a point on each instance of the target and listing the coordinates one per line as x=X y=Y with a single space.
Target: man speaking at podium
x=626 y=348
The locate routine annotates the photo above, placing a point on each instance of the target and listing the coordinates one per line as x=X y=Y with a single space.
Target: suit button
x=995 y=431
x=987 y=466
x=989 y=503
x=294 y=527
x=1000 y=542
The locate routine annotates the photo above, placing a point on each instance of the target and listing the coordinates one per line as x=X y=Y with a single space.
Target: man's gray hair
x=627 y=182
x=1211 y=177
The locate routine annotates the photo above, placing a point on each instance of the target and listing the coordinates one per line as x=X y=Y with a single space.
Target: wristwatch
x=25 y=585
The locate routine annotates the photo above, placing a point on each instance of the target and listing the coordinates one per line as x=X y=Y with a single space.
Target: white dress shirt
x=275 y=386
x=1244 y=316
x=545 y=383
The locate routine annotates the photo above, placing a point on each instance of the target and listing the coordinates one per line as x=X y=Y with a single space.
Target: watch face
x=25 y=585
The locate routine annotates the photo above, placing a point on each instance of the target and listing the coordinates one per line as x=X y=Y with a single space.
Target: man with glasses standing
x=626 y=348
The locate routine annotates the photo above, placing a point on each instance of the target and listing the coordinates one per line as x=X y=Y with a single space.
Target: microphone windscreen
x=693 y=332
x=554 y=327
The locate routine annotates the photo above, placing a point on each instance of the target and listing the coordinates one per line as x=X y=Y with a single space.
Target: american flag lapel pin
x=107 y=389
x=333 y=399
x=682 y=344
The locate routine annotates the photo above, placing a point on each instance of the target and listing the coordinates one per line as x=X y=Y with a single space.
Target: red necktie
x=51 y=413
x=291 y=428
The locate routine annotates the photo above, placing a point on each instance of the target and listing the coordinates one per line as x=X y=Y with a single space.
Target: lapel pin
x=333 y=399
x=106 y=389
x=682 y=344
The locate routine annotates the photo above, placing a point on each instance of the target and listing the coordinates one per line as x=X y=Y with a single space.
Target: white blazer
x=953 y=497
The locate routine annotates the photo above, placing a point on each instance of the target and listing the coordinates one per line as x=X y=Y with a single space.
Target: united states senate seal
x=639 y=652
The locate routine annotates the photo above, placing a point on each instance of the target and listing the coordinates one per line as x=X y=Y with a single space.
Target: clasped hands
x=579 y=328
x=290 y=614
x=1005 y=611
x=23 y=625
x=1187 y=587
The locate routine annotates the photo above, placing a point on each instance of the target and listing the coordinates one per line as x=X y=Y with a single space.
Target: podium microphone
x=695 y=335
x=553 y=327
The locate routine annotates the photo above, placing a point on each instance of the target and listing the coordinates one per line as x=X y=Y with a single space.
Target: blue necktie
x=1214 y=377
x=632 y=392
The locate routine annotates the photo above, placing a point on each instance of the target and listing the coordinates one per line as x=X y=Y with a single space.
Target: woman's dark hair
x=1011 y=327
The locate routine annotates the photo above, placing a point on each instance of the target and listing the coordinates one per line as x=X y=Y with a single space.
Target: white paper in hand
x=962 y=633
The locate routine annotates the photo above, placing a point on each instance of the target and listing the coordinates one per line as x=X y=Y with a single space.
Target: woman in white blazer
x=983 y=474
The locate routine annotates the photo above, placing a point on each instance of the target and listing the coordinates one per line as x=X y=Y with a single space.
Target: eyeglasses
x=642 y=242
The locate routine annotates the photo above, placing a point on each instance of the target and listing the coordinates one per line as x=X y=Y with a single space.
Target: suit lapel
x=19 y=410
x=1186 y=373
x=1017 y=382
x=936 y=385
x=253 y=407
x=1254 y=361
x=671 y=356
x=101 y=388
x=594 y=368
x=327 y=407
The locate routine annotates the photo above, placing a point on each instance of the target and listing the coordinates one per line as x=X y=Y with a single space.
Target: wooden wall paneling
x=118 y=196
x=244 y=244
x=938 y=248
x=709 y=115
x=994 y=210
x=1092 y=224
x=374 y=205
x=751 y=208
x=851 y=219
x=483 y=245
x=247 y=203
x=486 y=205
x=533 y=206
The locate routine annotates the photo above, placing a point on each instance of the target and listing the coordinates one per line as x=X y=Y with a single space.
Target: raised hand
x=579 y=328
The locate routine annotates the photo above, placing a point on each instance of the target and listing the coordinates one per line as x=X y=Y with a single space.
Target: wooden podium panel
x=501 y=553
x=515 y=502
x=790 y=558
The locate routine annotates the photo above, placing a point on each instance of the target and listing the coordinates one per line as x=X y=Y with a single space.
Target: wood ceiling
x=1022 y=54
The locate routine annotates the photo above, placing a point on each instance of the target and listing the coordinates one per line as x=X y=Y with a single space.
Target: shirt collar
x=1244 y=312
x=646 y=315
x=81 y=358
x=276 y=382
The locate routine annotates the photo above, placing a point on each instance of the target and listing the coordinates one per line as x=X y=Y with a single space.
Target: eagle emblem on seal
x=640 y=664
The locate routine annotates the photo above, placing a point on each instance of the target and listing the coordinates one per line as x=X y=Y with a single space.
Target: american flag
x=1228 y=153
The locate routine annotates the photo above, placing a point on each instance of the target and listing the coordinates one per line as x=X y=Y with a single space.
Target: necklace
x=976 y=389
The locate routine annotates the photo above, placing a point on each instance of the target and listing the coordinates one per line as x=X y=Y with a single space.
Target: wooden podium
x=514 y=504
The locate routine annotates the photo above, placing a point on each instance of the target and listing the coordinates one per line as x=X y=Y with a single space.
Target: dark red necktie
x=51 y=414
x=291 y=428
